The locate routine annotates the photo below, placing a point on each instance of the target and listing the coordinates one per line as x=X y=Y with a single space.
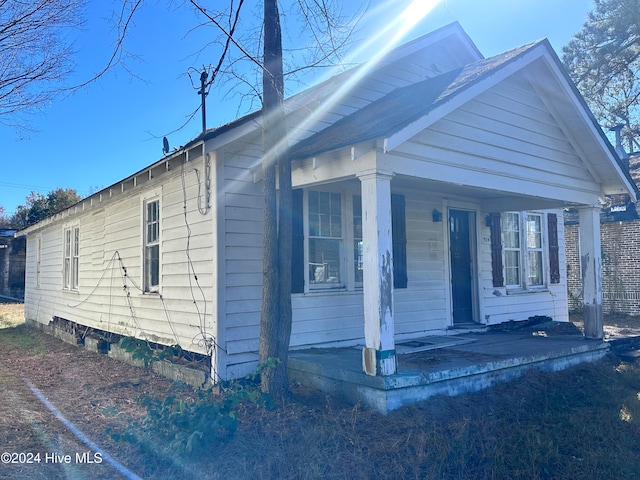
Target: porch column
x=379 y=354
x=590 y=264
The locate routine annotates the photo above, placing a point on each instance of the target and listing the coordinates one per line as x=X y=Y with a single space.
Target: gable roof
x=401 y=107
x=406 y=111
x=214 y=138
x=411 y=51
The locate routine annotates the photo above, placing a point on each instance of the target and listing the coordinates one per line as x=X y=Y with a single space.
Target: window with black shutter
x=519 y=250
x=316 y=221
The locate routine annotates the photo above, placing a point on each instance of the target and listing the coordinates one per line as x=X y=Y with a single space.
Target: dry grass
x=11 y=314
x=581 y=423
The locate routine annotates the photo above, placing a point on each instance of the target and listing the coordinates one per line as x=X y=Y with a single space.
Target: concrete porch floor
x=448 y=365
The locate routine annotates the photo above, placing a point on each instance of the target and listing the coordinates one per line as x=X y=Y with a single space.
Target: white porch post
x=590 y=264
x=379 y=354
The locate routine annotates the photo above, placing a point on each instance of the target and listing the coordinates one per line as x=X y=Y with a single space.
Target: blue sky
x=114 y=127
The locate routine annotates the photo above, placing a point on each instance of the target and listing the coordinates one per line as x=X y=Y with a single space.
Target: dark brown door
x=460 y=228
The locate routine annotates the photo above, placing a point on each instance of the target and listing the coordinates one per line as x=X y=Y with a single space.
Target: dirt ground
x=90 y=391
x=49 y=389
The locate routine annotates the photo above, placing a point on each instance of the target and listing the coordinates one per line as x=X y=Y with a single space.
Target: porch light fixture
x=436 y=215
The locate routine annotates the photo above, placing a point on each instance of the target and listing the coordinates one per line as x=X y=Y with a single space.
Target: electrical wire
x=206 y=340
x=97 y=284
x=202 y=339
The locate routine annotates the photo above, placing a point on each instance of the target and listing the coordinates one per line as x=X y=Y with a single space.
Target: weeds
x=142 y=350
x=580 y=423
x=188 y=427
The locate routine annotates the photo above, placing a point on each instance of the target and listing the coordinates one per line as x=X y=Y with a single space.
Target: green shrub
x=186 y=427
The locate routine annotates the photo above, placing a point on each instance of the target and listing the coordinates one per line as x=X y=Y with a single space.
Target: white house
x=428 y=196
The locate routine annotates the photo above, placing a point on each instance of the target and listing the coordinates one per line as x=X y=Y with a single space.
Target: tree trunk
x=275 y=322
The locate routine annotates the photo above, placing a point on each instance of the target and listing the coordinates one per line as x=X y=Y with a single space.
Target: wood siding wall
x=505 y=134
x=504 y=140
x=110 y=242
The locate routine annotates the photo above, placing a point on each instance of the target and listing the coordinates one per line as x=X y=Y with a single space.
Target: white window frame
x=70 y=258
x=540 y=249
x=149 y=245
x=341 y=284
x=523 y=250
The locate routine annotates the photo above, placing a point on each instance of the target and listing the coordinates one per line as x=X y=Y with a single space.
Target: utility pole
x=203 y=82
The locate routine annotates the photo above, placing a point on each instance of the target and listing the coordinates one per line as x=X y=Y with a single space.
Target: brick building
x=620 y=237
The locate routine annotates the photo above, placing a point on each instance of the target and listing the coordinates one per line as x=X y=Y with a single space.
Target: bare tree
x=257 y=48
x=276 y=316
x=328 y=35
x=35 y=53
x=5 y=221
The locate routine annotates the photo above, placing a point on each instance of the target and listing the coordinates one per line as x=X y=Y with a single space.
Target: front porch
x=445 y=365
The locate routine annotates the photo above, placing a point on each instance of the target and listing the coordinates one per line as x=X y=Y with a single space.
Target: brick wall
x=620 y=267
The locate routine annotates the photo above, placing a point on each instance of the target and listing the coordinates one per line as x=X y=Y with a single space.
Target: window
x=325 y=239
x=151 y=261
x=511 y=248
x=534 y=249
x=75 y=258
x=71 y=259
x=328 y=234
x=522 y=246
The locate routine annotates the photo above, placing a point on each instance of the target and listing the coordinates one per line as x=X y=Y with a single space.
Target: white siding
x=110 y=242
x=242 y=233
x=421 y=307
x=506 y=140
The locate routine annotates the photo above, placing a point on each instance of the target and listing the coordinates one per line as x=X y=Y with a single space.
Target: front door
x=461 y=238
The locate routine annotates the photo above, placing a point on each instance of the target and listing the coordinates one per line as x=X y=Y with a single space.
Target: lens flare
x=389 y=36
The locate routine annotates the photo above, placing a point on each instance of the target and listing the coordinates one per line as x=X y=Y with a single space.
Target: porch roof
x=406 y=111
x=401 y=107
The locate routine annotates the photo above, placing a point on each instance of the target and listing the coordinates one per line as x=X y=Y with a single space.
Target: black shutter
x=496 y=249
x=297 y=245
x=554 y=258
x=399 y=239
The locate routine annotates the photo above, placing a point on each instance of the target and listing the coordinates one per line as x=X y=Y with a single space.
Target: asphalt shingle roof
x=402 y=106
